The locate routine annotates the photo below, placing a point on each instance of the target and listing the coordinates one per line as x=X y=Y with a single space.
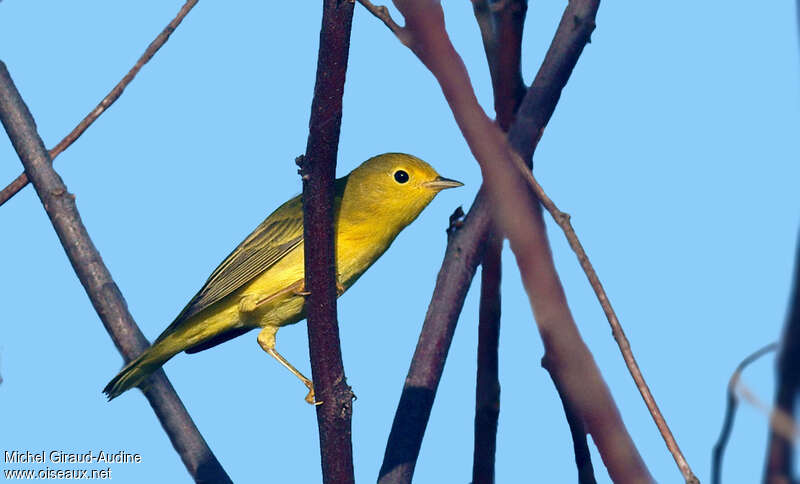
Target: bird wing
x=279 y=234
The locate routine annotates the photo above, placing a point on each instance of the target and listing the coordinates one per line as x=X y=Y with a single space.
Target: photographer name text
x=61 y=457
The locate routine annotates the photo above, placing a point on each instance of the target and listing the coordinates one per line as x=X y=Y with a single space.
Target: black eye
x=401 y=176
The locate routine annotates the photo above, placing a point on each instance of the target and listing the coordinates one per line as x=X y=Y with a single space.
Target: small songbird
x=261 y=283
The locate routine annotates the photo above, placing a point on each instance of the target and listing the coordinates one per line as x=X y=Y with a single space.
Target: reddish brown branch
x=22 y=180
x=780 y=450
x=318 y=169
x=425 y=35
x=563 y=220
x=100 y=287
x=463 y=253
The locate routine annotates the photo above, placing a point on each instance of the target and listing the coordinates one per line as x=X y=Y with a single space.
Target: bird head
x=394 y=187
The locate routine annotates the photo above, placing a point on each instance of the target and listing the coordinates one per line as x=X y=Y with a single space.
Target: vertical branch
x=501 y=26
x=580 y=445
x=464 y=249
x=487 y=382
x=318 y=169
x=100 y=287
x=780 y=450
x=425 y=35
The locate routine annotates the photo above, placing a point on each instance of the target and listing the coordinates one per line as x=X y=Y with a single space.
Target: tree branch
x=318 y=170
x=731 y=405
x=500 y=23
x=780 y=450
x=464 y=249
x=523 y=225
x=487 y=383
x=22 y=180
x=100 y=287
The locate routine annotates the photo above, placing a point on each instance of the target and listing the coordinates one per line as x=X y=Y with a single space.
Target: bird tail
x=135 y=372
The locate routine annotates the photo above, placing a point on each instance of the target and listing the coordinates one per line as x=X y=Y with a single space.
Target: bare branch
x=464 y=250
x=100 y=287
x=780 y=450
x=580 y=445
x=487 y=383
x=494 y=26
x=22 y=180
x=730 y=412
x=563 y=220
x=501 y=26
x=318 y=169
x=425 y=23
x=382 y=13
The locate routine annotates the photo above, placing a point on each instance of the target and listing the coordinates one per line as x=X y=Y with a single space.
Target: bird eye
x=400 y=176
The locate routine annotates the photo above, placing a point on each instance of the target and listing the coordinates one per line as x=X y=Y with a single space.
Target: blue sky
x=674 y=147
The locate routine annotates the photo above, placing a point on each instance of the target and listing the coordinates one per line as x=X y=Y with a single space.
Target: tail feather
x=135 y=372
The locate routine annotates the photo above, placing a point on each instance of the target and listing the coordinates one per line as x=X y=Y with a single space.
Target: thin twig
x=780 y=421
x=563 y=220
x=100 y=287
x=318 y=170
x=731 y=405
x=22 y=180
x=382 y=13
x=780 y=451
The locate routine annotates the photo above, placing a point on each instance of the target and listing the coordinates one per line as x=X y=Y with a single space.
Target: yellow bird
x=261 y=283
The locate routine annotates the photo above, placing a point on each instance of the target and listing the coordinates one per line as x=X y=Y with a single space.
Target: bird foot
x=310 y=399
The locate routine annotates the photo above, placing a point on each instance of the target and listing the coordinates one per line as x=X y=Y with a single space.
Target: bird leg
x=266 y=338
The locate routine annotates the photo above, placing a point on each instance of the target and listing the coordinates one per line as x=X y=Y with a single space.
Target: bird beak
x=440 y=183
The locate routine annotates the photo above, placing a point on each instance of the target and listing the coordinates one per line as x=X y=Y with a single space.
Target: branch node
x=382 y=13
x=456 y=221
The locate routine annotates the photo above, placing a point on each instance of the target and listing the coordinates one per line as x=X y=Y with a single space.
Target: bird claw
x=310 y=399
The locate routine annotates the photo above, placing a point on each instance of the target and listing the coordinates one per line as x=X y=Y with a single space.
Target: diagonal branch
x=464 y=249
x=100 y=287
x=521 y=222
x=318 y=169
x=22 y=180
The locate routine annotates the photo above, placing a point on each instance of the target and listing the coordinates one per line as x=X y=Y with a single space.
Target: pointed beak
x=440 y=183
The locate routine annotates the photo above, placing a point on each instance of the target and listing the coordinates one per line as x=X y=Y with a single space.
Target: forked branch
x=425 y=35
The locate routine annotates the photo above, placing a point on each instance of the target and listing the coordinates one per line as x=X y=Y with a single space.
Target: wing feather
x=279 y=234
x=273 y=239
